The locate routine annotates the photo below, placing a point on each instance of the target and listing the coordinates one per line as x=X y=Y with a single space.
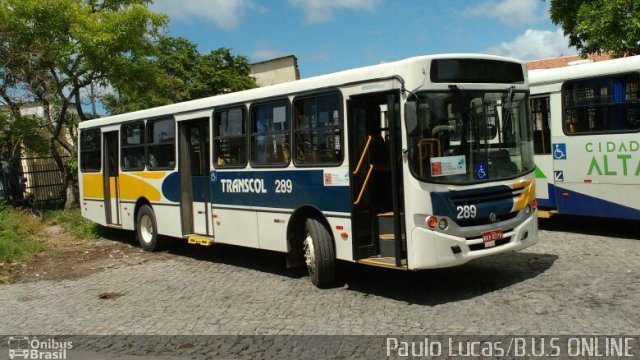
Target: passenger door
x=374 y=153
x=110 y=178
x=194 y=171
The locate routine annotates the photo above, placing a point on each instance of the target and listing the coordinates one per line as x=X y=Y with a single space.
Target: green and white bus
x=586 y=121
x=421 y=163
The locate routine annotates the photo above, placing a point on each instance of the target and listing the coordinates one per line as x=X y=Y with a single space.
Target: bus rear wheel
x=147 y=229
x=319 y=255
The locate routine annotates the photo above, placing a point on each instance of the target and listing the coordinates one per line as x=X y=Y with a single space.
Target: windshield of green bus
x=463 y=137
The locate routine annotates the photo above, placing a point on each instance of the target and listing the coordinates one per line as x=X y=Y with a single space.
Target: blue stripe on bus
x=576 y=203
x=276 y=189
x=279 y=189
x=198 y=187
x=171 y=187
x=443 y=205
x=549 y=203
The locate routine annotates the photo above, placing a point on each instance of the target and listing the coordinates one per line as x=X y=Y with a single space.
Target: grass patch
x=18 y=231
x=74 y=223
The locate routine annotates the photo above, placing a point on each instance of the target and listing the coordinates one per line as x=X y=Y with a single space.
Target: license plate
x=489 y=238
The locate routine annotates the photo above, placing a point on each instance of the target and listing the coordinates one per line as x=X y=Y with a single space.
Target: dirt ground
x=67 y=257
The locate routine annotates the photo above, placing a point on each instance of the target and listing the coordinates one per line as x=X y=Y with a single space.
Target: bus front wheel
x=147 y=229
x=319 y=255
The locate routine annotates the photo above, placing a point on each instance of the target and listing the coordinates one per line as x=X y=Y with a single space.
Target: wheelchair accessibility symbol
x=560 y=151
x=481 y=171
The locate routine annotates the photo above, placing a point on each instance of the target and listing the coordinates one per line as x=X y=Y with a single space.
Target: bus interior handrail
x=364 y=152
x=364 y=185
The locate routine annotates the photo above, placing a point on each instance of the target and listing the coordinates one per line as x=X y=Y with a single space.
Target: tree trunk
x=72 y=192
x=62 y=169
x=15 y=191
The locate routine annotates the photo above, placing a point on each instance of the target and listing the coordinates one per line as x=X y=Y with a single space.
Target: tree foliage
x=52 y=51
x=14 y=134
x=177 y=72
x=599 y=26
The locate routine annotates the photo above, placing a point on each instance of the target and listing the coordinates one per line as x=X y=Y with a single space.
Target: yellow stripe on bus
x=528 y=194
x=92 y=186
x=131 y=187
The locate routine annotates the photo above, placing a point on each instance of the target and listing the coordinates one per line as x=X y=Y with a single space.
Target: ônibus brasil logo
x=25 y=347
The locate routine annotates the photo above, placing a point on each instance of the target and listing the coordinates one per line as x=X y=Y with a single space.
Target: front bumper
x=429 y=249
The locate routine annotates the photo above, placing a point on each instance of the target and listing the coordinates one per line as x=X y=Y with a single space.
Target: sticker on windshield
x=448 y=165
x=480 y=171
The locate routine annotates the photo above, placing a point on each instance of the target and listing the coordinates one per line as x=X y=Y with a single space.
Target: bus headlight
x=527 y=209
x=443 y=224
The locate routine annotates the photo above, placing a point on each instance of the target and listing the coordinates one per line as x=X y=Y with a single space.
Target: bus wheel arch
x=141 y=201
x=311 y=243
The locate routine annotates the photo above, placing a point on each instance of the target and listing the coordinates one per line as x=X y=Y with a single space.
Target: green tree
x=599 y=26
x=27 y=132
x=178 y=72
x=52 y=51
x=13 y=134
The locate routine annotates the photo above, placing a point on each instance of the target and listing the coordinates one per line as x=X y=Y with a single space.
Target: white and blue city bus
x=586 y=120
x=416 y=164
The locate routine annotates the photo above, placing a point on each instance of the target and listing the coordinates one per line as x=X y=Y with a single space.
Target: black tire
x=147 y=229
x=319 y=253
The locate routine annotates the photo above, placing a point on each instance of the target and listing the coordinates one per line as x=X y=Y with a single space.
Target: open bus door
x=194 y=169
x=111 y=178
x=375 y=166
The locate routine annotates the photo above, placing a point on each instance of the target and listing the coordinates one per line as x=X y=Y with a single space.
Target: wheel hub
x=309 y=254
x=146 y=229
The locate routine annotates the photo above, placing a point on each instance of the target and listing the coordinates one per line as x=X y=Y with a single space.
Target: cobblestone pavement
x=569 y=283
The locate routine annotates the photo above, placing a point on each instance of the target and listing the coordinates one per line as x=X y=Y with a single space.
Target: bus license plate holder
x=489 y=238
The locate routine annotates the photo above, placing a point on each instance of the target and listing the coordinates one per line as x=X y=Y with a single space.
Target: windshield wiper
x=506 y=114
x=511 y=92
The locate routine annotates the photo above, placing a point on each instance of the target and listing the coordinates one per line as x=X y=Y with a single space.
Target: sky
x=333 y=35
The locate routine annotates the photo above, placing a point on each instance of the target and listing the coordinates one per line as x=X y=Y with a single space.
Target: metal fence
x=43 y=182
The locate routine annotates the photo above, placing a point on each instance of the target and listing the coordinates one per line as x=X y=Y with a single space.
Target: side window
x=90 y=146
x=132 y=146
x=161 y=141
x=318 y=130
x=601 y=105
x=541 y=116
x=229 y=136
x=270 y=134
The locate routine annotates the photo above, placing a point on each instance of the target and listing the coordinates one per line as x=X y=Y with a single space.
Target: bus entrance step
x=387 y=244
x=384 y=261
x=385 y=223
x=200 y=240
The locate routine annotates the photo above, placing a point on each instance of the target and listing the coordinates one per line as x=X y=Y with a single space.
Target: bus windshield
x=462 y=137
